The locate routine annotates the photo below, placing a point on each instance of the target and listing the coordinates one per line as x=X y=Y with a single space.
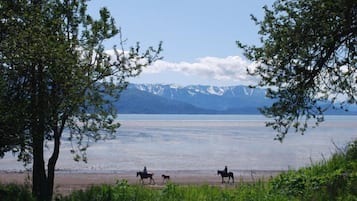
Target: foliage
x=308 y=57
x=14 y=192
x=173 y=192
x=121 y=191
x=55 y=74
x=335 y=179
x=351 y=153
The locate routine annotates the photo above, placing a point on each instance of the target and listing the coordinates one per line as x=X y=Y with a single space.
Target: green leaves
x=53 y=53
x=56 y=74
x=306 y=58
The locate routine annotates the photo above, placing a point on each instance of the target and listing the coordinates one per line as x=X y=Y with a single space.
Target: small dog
x=165 y=177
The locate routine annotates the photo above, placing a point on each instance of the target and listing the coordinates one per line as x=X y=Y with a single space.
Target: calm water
x=205 y=142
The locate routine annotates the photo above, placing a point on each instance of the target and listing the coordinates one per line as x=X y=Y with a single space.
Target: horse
x=226 y=174
x=144 y=175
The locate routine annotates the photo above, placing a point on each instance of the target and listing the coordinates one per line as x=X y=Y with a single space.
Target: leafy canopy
x=55 y=73
x=307 y=57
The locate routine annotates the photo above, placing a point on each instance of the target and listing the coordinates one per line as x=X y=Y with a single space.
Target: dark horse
x=144 y=175
x=226 y=174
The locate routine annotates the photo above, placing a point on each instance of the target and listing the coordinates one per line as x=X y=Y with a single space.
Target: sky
x=199 y=37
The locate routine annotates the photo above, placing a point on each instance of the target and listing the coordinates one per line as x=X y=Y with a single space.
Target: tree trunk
x=39 y=179
x=40 y=182
x=52 y=161
x=37 y=127
x=42 y=186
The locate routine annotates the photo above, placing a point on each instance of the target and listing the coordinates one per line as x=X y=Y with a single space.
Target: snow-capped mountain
x=164 y=90
x=196 y=99
x=192 y=99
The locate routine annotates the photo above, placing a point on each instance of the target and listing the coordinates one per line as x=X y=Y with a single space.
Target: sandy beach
x=66 y=182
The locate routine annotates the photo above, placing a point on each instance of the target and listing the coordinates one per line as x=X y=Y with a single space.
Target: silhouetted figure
x=146 y=176
x=225 y=173
x=145 y=170
x=165 y=178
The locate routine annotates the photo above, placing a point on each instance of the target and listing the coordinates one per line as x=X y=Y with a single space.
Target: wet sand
x=66 y=182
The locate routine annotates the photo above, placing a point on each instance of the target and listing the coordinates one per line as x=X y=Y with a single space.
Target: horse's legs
x=152 y=179
x=229 y=178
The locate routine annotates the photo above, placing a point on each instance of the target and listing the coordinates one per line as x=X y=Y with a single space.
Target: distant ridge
x=135 y=101
x=195 y=99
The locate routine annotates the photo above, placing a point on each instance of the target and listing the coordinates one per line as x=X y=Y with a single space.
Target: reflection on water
x=205 y=142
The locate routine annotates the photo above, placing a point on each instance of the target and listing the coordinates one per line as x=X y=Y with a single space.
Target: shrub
x=335 y=179
x=15 y=192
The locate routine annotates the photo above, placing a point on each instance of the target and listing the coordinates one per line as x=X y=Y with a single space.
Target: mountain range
x=194 y=99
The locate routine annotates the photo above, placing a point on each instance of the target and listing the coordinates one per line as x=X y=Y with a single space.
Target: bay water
x=204 y=143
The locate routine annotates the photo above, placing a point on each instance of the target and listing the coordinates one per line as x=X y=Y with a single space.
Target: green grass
x=172 y=192
x=334 y=179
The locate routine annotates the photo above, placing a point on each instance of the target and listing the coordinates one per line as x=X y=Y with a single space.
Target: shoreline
x=69 y=181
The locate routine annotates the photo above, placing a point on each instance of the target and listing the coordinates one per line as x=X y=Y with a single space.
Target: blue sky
x=198 y=37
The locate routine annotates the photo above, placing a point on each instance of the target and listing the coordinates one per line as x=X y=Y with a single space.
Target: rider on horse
x=145 y=175
x=225 y=173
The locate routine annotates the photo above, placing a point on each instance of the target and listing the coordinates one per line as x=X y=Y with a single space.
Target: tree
x=307 y=56
x=55 y=74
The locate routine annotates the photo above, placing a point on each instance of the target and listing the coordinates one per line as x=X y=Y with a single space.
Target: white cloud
x=232 y=69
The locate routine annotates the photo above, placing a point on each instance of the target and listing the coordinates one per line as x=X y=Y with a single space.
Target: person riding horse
x=225 y=173
x=145 y=175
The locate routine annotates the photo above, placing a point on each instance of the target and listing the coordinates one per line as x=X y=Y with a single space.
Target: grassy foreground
x=334 y=179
